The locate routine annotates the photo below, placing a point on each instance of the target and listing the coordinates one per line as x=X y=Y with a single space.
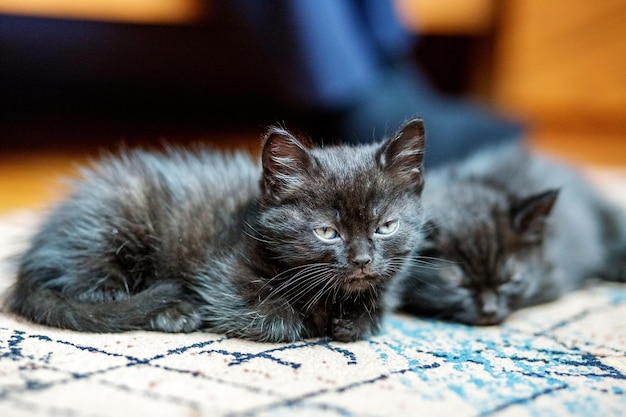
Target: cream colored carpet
x=566 y=358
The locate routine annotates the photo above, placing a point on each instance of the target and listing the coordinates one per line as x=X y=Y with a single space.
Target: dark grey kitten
x=301 y=246
x=507 y=229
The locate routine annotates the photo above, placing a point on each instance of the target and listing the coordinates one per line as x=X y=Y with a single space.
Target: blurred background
x=81 y=77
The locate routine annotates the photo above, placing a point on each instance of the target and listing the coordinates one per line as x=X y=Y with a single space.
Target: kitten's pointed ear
x=529 y=216
x=285 y=162
x=402 y=155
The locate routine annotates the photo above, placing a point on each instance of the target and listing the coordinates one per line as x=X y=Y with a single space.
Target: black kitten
x=499 y=239
x=193 y=240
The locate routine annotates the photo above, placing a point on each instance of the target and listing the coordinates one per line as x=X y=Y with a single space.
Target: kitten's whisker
x=335 y=292
x=247 y=223
x=303 y=268
x=299 y=275
x=302 y=286
x=319 y=294
x=269 y=242
x=421 y=261
x=433 y=258
x=414 y=278
x=298 y=285
x=296 y=295
x=373 y=295
x=419 y=265
x=256 y=235
x=313 y=300
x=326 y=278
x=328 y=294
x=345 y=297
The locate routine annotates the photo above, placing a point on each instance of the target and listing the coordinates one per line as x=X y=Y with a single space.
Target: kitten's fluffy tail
x=53 y=308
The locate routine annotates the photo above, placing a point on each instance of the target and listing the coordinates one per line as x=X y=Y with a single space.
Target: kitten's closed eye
x=454 y=275
x=388 y=228
x=326 y=234
x=512 y=271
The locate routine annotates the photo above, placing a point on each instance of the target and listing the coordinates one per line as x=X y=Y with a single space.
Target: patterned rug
x=567 y=358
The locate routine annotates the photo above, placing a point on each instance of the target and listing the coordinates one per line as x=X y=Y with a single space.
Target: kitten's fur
x=500 y=239
x=194 y=240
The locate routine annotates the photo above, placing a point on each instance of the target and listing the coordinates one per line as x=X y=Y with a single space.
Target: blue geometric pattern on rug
x=564 y=358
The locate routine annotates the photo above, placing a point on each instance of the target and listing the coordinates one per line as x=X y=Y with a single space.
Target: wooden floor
x=32 y=177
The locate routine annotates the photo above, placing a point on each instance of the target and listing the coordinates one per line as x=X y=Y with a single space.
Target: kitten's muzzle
x=360 y=280
x=489 y=311
x=361 y=261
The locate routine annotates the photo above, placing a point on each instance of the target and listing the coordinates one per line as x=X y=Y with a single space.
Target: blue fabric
x=339 y=70
x=324 y=54
x=350 y=59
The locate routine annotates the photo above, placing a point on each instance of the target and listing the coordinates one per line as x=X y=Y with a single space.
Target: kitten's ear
x=529 y=216
x=285 y=162
x=402 y=155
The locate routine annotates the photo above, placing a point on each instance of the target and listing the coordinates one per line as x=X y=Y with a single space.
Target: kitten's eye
x=513 y=270
x=388 y=228
x=326 y=233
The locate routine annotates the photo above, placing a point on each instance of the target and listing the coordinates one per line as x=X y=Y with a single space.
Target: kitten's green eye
x=388 y=228
x=326 y=233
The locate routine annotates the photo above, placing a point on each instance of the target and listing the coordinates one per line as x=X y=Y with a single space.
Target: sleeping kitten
x=194 y=240
x=505 y=230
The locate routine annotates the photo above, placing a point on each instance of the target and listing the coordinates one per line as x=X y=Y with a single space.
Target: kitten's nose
x=361 y=261
x=489 y=301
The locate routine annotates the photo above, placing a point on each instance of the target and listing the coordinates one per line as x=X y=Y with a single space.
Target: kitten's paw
x=180 y=318
x=345 y=330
